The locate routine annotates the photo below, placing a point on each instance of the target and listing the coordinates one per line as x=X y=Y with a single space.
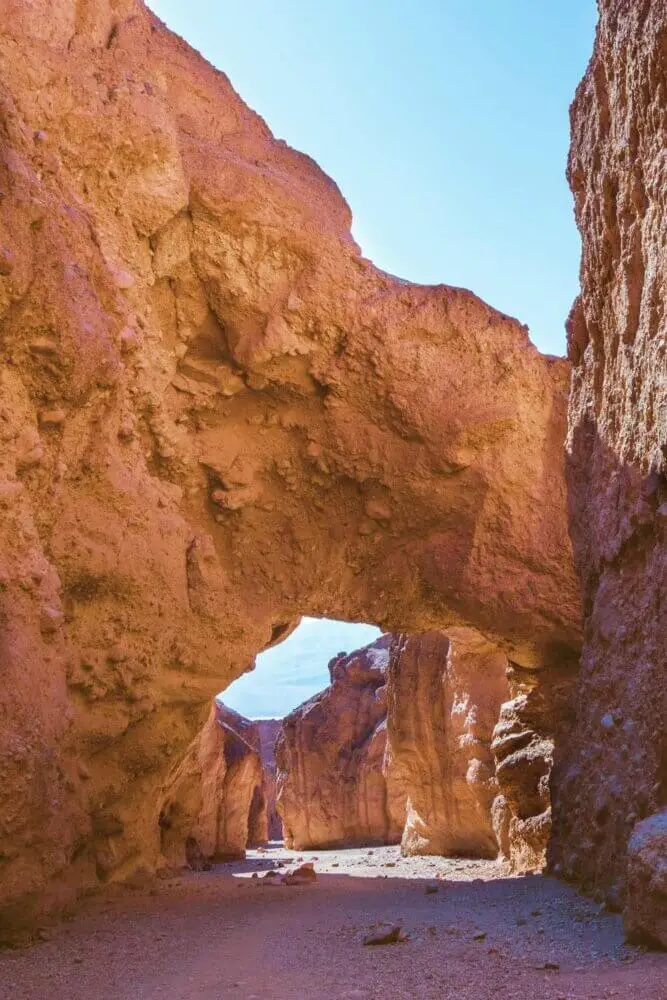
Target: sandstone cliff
x=215 y=415
x=444 y=698
x=612 y=773
x=268 y=730
x=332 y=789
x=212 y=805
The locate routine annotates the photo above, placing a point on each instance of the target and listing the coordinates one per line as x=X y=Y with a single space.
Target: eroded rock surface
x=216 y=415
x=646 y=910
x=444 y=697
x=332 y=790
x=536 y=717
x=268 y=730
x=212 y=805
x=612 y=773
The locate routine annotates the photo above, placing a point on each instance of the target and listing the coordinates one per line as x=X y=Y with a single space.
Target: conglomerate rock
x=332 y=787
x=612 y=772
x=212 y=804
x=444 y=697
x=216 y=415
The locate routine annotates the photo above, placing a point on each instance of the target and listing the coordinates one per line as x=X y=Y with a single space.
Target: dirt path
x=225 y=934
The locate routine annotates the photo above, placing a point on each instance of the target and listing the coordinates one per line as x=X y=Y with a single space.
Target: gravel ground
x=226 y=934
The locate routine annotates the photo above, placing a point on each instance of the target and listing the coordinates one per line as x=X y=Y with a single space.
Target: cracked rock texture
x=216 y=415
x=444 y=697
x=212 y=805
x=613 y=774
x=533 y=724
x=335 y=788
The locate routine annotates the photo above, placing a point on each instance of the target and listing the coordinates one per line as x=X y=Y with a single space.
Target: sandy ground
x=226 y=934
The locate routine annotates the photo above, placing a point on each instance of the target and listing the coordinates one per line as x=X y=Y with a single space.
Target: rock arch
x=216 y=415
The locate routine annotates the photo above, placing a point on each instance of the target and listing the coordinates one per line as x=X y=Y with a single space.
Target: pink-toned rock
x=645 y=914
x=444 y=696
x=538 y=711
x=332 y=790
x=209 y=807
x=290 y=431
x=611 y=772
x=268 y=730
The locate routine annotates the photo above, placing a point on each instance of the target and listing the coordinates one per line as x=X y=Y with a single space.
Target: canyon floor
x=226 y=934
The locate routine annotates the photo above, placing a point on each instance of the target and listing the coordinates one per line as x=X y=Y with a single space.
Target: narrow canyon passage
x=226 y=935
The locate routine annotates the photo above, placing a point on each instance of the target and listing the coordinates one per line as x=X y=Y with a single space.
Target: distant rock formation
x=332 y=787
x=268 y=730
x=444 y=696
x=212 y=804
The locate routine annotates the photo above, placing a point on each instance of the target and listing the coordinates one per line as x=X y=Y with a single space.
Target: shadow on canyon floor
x=224 y=934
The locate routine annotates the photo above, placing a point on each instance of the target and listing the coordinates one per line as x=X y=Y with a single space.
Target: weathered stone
x=268 y=730
x=332 y=790
x=444 y=696
x=645 y=914
x=208 y=807
x=169 y=209
x=609 y=776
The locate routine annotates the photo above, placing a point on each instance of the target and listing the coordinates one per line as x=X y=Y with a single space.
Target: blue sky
x=445 y=124
x=293 y=671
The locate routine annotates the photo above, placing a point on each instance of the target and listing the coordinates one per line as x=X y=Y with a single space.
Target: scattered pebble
x=392 y=936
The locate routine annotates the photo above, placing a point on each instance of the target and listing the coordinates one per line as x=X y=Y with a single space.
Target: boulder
x=211 y=806
x=444 y=696
x=645 y=914
x=332 y=788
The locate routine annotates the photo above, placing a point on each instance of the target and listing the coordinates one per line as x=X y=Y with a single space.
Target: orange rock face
x=612 y=774
x=537 y=717
x=332 y=789
x=444 y=696
x=212 y=804
x=268 y=730
x=216 y=415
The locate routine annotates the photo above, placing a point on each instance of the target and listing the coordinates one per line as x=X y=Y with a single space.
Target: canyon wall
x=333 y=790
x=612 y=775
x=212 y=805
x=444 y=698
x=268 y=730
x=216 y=415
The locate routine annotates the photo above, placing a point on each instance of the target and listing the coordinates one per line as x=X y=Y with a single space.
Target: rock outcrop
x=537 y=716
x=444 y=698
x=332 y=790
x=268 y=730
x=646 y=909
x=212 y=805
x=612 y=773
x=216 y=415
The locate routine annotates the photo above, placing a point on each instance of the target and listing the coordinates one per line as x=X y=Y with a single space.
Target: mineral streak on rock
x=333 y=789
x=612 y=773
x=444 y=697
x=212 y=806
x=216 y=415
